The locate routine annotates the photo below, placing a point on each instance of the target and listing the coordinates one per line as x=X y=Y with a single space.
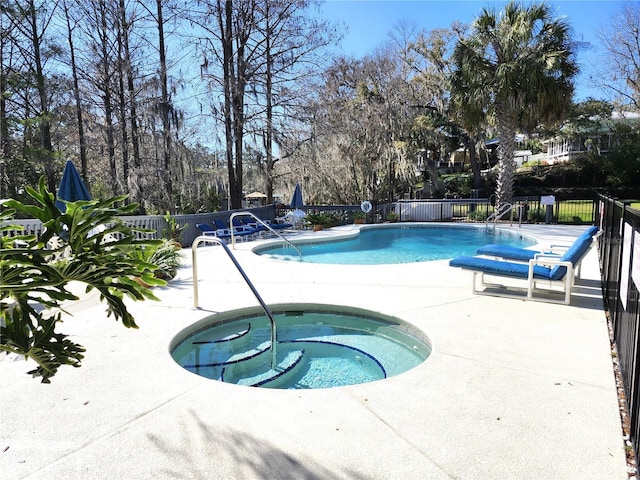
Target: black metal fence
x=620 y=266
x=532 y=209
x=526 y=209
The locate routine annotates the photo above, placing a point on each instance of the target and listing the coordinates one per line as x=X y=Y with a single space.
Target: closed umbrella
x=72 y=187
x=296 y=198
x=297 y=216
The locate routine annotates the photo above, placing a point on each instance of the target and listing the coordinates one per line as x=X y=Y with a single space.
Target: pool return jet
x=196 y=304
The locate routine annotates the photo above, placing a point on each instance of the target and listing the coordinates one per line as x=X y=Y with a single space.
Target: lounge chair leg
x=568 y=286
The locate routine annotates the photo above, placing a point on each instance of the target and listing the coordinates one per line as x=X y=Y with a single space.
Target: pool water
x=317 y=347
x=397 y=244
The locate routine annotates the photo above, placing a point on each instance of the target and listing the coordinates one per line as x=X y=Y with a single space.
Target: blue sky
x=370 y=21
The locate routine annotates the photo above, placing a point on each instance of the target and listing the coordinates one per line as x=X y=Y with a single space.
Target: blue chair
x=552 y=270
x=278 y=225
x=241 y=233
x=261 y=228
x=208 y=230
x=525 y=254
x=246 y=224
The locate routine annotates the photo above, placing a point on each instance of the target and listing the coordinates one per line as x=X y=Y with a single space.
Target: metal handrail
x=497 y=215
x=239 y=214
x=194 y=247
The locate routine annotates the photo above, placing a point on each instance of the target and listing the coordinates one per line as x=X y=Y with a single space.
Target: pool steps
x=225 y=363
x=229 y=338
x=224 y=357
x=230 y=366
x=291 y=360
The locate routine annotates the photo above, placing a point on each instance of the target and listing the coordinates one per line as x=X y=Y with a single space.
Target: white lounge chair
x=552 y=271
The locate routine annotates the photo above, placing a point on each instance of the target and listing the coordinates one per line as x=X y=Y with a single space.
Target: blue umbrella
x=72 y=188
x=296 y=198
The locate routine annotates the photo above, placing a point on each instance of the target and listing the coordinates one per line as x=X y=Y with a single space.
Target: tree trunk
x=134 y=180
x=268 y=140
x=107 y=97
x=76 y=96
x=5 y=145
x=506 y=149
x=475 y=167
x=122 y=108
x=164 y=108
x=45 y=125
x=226 y=38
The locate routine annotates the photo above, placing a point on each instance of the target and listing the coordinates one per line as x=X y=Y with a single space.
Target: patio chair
x=213 y=232
x=525 y=254
x=551 y=270
x=240 y=232
x=248 y=224
x=278 y=225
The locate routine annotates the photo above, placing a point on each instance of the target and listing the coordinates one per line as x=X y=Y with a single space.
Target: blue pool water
x=317 y=347
x=397 y=244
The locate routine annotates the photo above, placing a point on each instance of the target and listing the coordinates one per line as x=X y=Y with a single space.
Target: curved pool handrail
x=204 y=239
x=500 y=212
x=239 y=214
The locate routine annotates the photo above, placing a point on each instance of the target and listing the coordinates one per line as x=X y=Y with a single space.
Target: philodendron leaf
x=88 y=243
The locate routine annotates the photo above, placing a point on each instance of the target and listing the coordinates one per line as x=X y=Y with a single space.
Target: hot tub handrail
x=239 y=214
x=194 y=246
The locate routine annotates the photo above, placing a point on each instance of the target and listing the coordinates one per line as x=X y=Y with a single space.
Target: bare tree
x=76 y=90
x=164 y=110
x=226 y=42
x=362 y=120
x=30 y=22
x=292 y=42
x=134 y=182
x=622 y=62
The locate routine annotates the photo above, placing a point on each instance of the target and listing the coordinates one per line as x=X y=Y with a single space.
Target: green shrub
x=537 y=215
x=477 y=216
x=173 y=230
x=392 y=216
x=92 y=246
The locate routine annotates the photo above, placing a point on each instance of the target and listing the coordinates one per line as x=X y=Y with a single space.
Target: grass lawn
x=575 y=211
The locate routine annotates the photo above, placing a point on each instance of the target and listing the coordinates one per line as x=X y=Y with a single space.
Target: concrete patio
x=512 y=389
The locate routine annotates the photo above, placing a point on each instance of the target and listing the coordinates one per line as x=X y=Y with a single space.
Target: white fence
x=424 y=211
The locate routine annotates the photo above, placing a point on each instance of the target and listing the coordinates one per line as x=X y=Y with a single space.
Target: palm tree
x=515 y=68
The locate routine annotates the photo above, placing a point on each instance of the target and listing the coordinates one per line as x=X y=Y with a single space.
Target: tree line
x=178 y=104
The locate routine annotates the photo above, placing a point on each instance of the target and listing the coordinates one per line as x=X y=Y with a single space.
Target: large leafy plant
x=87 y=243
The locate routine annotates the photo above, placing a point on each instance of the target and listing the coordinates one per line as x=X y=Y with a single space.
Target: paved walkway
x=512 y=389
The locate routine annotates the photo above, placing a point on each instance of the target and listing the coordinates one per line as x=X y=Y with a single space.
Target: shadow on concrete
x=211 y=452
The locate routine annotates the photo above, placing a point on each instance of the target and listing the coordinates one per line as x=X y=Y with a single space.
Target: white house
x=563 y=148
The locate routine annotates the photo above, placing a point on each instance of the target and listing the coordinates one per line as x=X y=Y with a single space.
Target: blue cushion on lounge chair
x=589 y=232
x=210 y=231
x=204 y=228
x=237 y=231
x=280 y=226
x=498 y=267
x=219 y=224
x=525 y=254
x=507 y=251
x=575 y=253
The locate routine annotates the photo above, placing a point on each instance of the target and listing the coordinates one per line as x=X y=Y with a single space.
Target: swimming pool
x=389 y=244
x=318 y=346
